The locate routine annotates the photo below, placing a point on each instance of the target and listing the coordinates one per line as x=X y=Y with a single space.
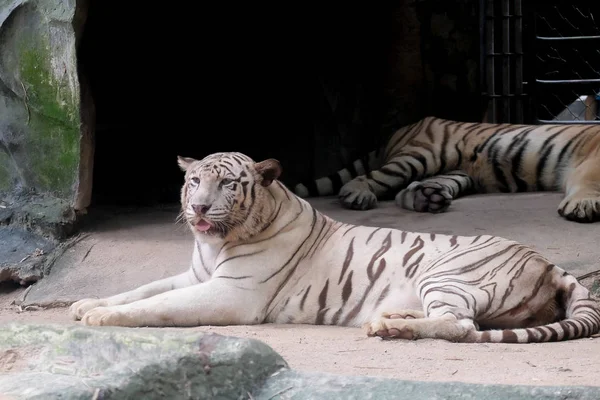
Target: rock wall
x=39 y=99
x=41 y=133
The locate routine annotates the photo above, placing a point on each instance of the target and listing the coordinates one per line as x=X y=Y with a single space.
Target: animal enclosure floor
x=123 y=250
x=347 y=351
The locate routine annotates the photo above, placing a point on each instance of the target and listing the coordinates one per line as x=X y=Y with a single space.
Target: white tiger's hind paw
x=446 y=327
x=79 y=308
x=357 y=195
x=403 y=314
x=390 y=324
x=390 y=328
x=424 y=197
x=580 y=209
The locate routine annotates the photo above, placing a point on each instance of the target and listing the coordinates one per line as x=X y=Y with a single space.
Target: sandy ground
x=111 y=255
x=348 y=351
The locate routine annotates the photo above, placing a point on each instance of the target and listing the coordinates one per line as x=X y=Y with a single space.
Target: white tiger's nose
x=201 y=208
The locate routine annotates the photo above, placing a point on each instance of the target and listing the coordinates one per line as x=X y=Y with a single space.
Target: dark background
x=314 y=87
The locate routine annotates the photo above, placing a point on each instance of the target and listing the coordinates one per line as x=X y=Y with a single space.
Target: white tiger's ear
x=184 y=162
x=269 y=170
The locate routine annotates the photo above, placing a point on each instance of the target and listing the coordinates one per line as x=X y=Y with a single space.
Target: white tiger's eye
x=195 y=180
x=226 y=181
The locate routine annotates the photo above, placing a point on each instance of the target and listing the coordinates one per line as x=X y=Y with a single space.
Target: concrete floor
x=123 y=250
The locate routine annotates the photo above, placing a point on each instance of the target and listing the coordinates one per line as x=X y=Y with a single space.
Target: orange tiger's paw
x=425 y=197
x=581 y=209
x=357 y=195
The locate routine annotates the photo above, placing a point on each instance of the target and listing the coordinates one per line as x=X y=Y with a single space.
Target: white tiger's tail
x=582 y=320
x=331 y=184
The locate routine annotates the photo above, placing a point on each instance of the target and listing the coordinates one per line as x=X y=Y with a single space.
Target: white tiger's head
x=224 y=194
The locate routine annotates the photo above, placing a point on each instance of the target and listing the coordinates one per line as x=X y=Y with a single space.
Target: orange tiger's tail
x=332 y=183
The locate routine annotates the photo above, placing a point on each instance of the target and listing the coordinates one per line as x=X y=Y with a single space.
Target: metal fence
x=502 y=61
x=541 y=61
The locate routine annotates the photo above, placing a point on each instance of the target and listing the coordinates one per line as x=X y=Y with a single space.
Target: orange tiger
x=428 y=164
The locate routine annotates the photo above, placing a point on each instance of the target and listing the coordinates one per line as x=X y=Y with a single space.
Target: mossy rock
x=76 y=362
x=39 y=98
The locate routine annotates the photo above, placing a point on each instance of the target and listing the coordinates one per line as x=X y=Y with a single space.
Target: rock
x=45 y=215
x=39 y=98
x=76 y=362
x=31 y=228
x=23 y=255
x=304 y=386
x=41 y=126
x=45 y=153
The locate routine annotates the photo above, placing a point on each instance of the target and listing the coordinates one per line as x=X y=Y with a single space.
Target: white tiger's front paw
x=105 y=316
x=79 y=308
x=357 y=195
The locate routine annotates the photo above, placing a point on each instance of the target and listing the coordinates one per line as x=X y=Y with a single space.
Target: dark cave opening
x=196 y=80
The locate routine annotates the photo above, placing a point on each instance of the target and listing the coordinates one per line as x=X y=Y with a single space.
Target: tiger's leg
x=582 y=199
x=378 y=327
x=446 y=326
x=362 y=192
x=79 y=308
x=435 y=194
x=448 y=316
x=200 y=304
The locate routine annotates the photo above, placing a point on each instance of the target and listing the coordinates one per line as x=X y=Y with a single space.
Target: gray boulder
x=76 y=362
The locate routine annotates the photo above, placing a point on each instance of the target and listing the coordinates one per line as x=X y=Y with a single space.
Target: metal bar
x=511 y=15
x=506 y=36
x=490 y=76
x=566 y=38
x=533 y=59
x=513 y=53
x=510 y=95
x=558 y=122
x=567 y=81
x=482 y=56
x=518 y=49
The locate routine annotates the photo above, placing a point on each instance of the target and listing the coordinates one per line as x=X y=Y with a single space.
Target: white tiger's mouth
x=203 y=226
x=208 y=226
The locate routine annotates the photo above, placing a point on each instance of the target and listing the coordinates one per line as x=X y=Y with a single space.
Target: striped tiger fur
x=433 y=161
x=262 y=254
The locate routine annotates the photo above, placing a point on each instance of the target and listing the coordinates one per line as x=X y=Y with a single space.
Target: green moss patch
x=5 y=176
x=53 y=122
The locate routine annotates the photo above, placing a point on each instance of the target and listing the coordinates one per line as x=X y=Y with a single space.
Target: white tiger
x=262 y=254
